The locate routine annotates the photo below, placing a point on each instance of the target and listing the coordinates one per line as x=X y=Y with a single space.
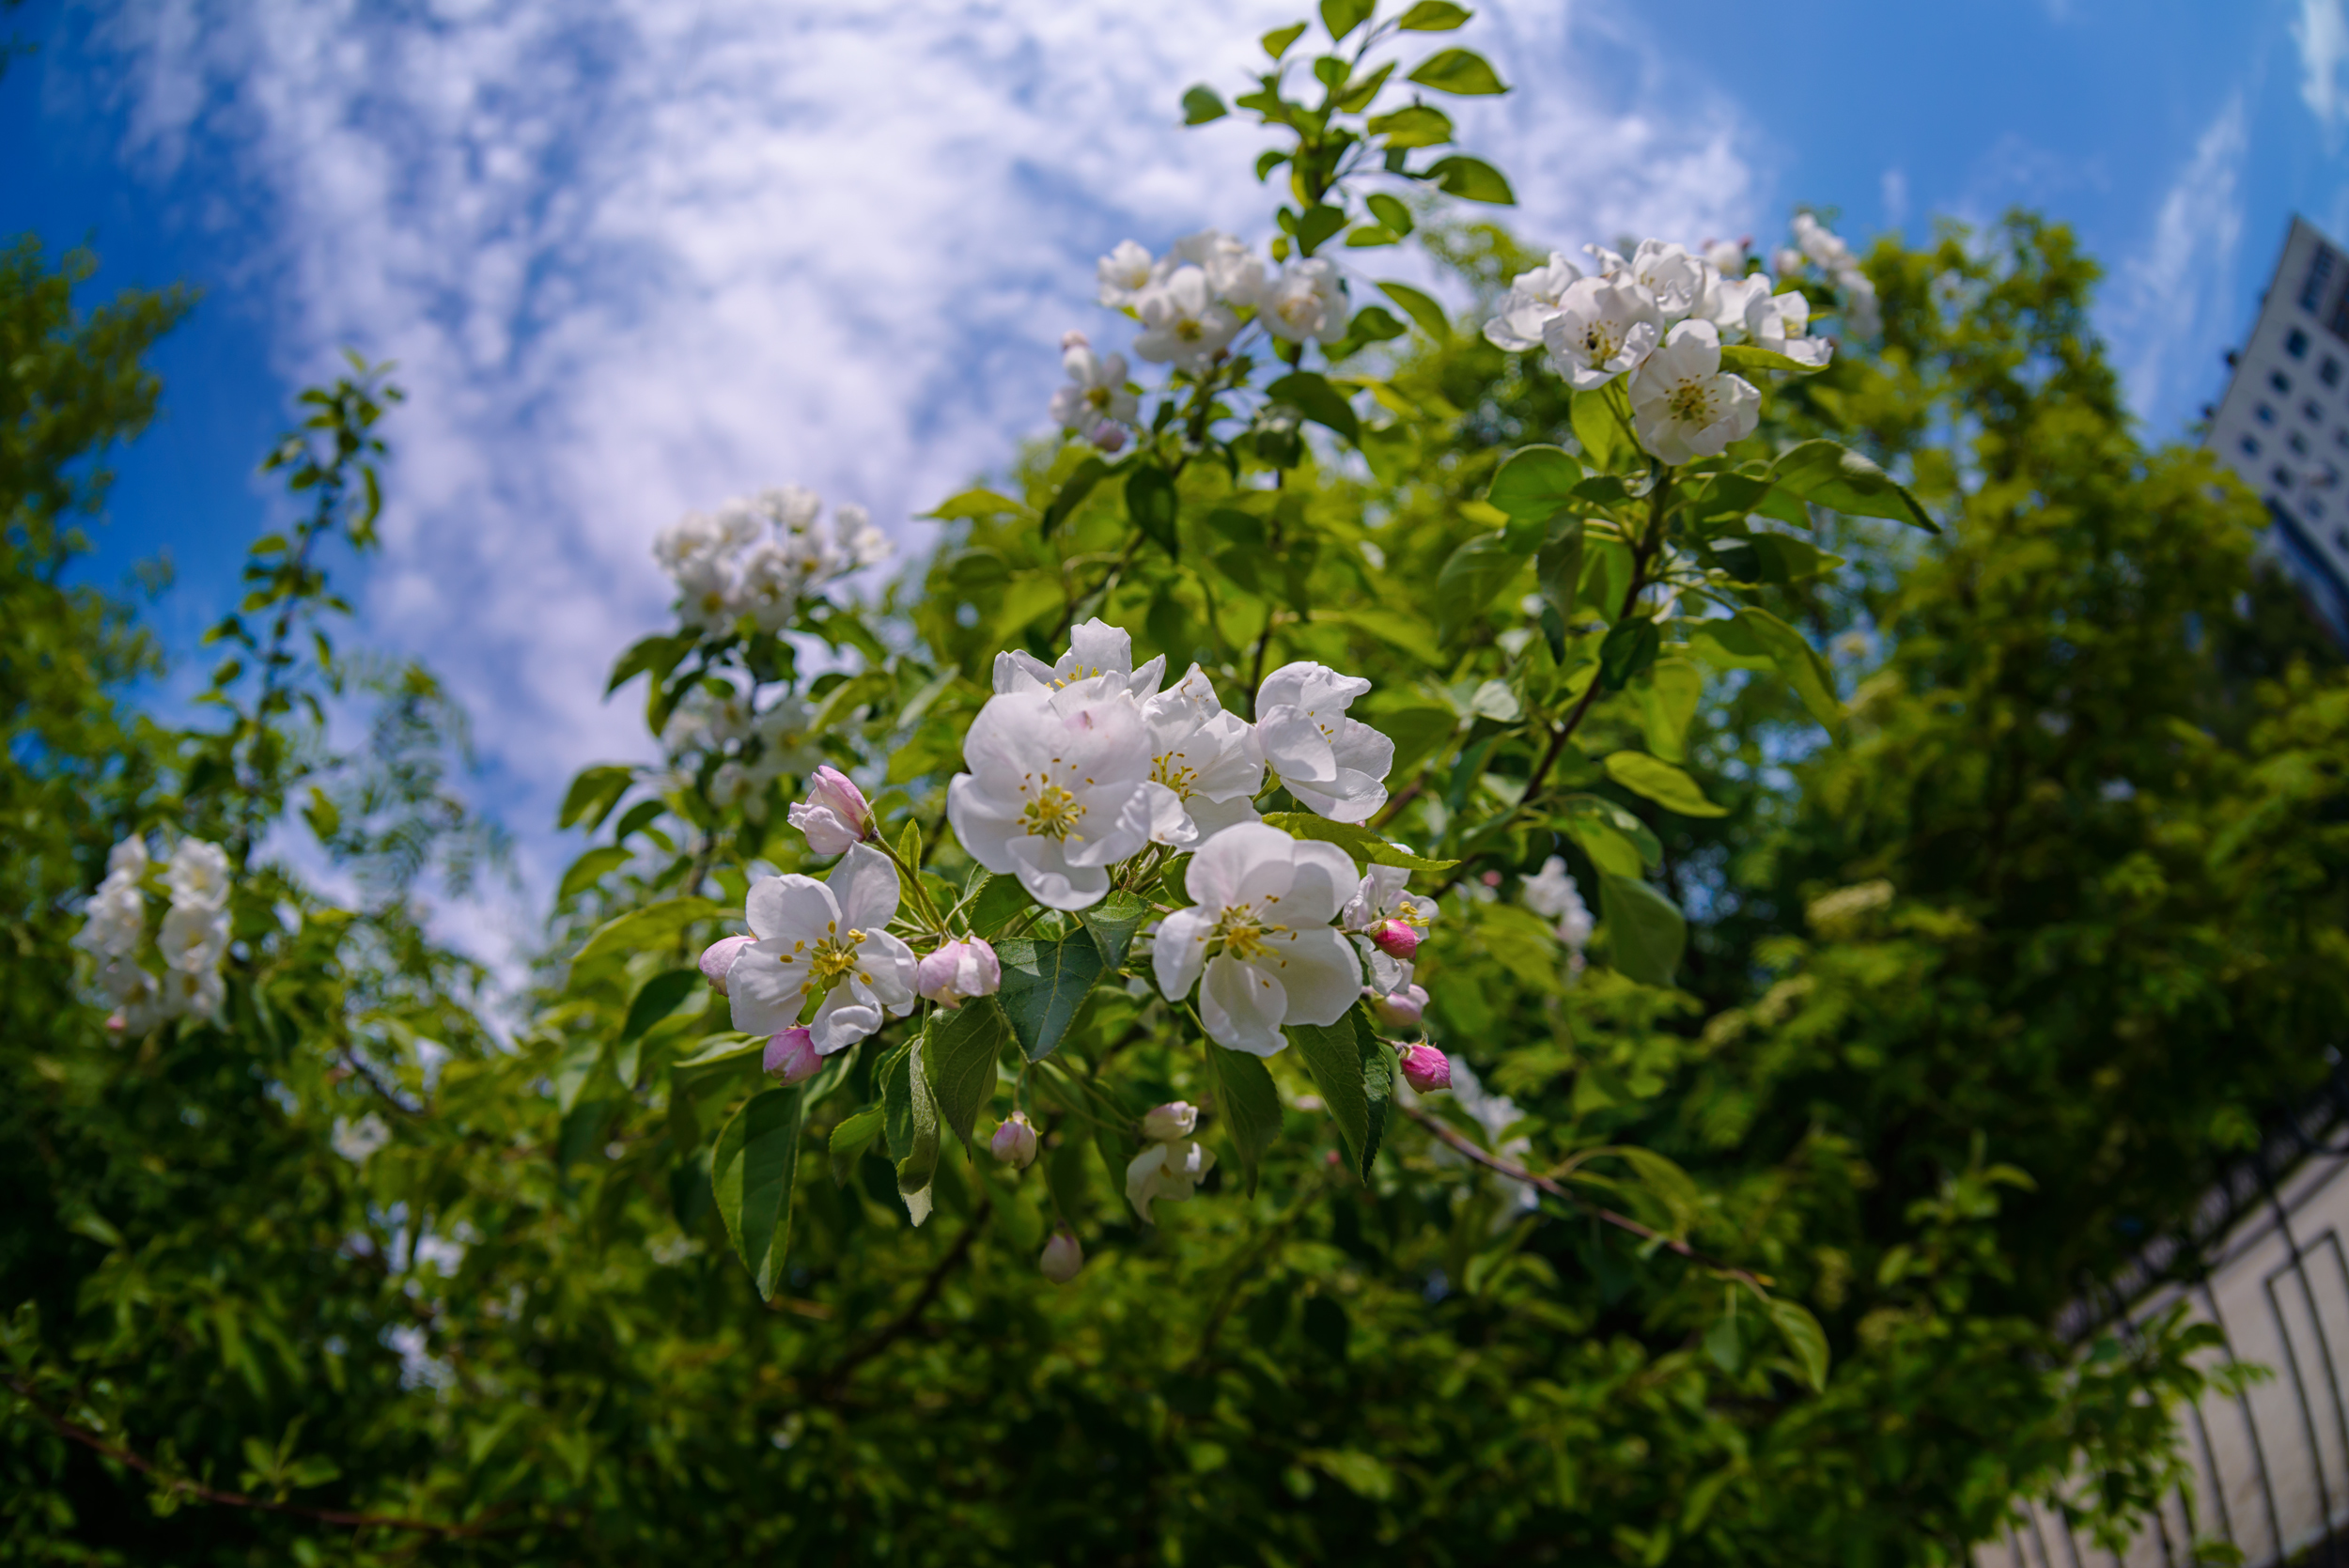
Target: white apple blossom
x=1182 y=322
x=1727 y=301
x=192 y=993
x=1206 y=765
x=194 y=938
x=1859 y=302
x=1726 y=256
x=361 y=1141
x=1095 y=649
x=1552 y=894
x=1533 y=300
x=1235 y=272
x=1170 y=1122
x=1096 y=391
x=860 y=543
x=1381 y=902
x=198 y=876
x=1781 y=323
x=1682 y=403
x=1057 y=791
x=835 y=815
x=1258 y=943
x=115 y=914
x=1336 y=765
x=1821 y=244
x=1604 y=326
x=1124 y=273
x=825 y=942
x=960 y=970
x=1671 y=276
x=1307 y=300
x=1166 y=1173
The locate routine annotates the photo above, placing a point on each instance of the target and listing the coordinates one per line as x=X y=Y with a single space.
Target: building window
x=2298 y=442
x=2266 y=414
x=2283 y=476
x=2341 y=439
x=2310 y=412
x=2280 y=381
x=2329 y=372
x=2341 y=538
x=2316 y=507
x=2297 y=343
x=2251 y=445
x=2320 y=273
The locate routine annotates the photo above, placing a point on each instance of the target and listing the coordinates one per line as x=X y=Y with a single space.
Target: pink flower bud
x=1426 y=1068
x=1165 y=1123
x=957 y=971
x=1109 y=437
x=1074 y=339
x=1396 y=938
x=791 y=1056
x=1490 y=879
x=1062 y=1257
x=717 y=957
x=1014 y=1142
x=1403 y=1010
x=835 y=815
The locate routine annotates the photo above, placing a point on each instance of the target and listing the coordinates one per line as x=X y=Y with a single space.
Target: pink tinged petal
x=1180 y=947
x=1243 y=1006
x=792 y=1057
x=836 y=793
x=1426 y=1068
x=865 y=884
x=1403 y=1009
x=843 y=1019
x=717 y=957
x=790 y=908
x=1013 y=1144
x=1321 y=975
x=1394 y=939
x=1062 y=1257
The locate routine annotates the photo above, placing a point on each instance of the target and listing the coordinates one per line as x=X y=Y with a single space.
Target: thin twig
x=1621 y=1221
x=898 y=1327
x=341 y=1517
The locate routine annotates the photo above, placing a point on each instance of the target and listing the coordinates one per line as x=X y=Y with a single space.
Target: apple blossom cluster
x=192 y=940
x=1552 y=894
x=1173 y=1163
x=1815 y=243
x=761 y=556
x=1659 y=320
x=754 y=746
x=1193 y=304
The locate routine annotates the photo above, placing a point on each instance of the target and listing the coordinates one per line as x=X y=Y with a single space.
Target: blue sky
x=635 y=255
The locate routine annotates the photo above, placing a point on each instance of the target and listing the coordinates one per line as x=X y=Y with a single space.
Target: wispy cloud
x=635 y=255
x=2175 y=302
x=2322 y=33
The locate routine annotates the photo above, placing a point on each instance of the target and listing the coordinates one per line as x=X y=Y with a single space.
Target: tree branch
x=898 y=1327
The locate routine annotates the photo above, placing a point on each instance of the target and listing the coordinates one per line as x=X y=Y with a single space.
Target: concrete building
x=2284 y=422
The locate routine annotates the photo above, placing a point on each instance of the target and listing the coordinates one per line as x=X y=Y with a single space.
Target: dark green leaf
x=1362 y=89
x=657 y=997
x=1043 y=985
x=1313 y=396
x=1645 y=930
x=1378 y=1074
x=1421 y=308
x=1201 y=104
x=1558 y=566
x=1805 y=1338
x=1334 y=1057
x=1276 y=43
x=1248 y=1104
x=1390 y=212
x=1536 y=482
x=593 y=793
x=1112 y=922
x=1471 y=179
x=1471 y=580
x=1417 y=126
x=1371 y=324
x=1073 y=490
x=1634 y=835
x=1151 y=503
x=1800 y=663
x=1343 y=16
x=850 y=1139
x=1827 y=474
x=1317 y=225
x=653 y=655
x=654 y=925
x=1459 y=71
x=1434 y=16
x=751 y=1169
x=921 y=1160
x=1602 y=435
x=1783 y=558
x=586 y=870
x=1360 y=842
x=1631 y=647
x=1661 y=782
x=959 y=1056
x=999 y=901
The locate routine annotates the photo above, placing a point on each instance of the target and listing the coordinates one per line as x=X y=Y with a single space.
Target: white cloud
x=2175 y=300
x=1894 y=188
x=2322 y=35
x=635 y=255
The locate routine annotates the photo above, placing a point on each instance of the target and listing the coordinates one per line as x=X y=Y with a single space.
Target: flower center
x=1598 y=345
x=1245 y=933
x=1170 y=771
x=1098 y=398
x=831 y=959
x=1053 y=814
x=1691 y=403
x=1189 y=331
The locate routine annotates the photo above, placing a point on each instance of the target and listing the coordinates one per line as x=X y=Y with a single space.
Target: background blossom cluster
x=191 y=942
x=760 y=556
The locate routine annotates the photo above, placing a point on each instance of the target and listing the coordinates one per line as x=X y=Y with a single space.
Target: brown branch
x=898 y=1327
x=336 y=1516
x=1621 y=1221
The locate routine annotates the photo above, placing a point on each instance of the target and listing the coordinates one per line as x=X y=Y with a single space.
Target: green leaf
x=1313 y=396
x=1558 y=566
x=1112 y=923
x=1459 y=71
x=1800 y=663
x=1730 y=645
x=1073 y=491
x=1419 y=125
x=1390 y=212
x=1744 y=356
x=593 y=793
x=1371 y=324
x=1647 y=933
x=1397 y=629
x=1151 y=503
x=1783 y=558
x=1362 y=90
x=1471 y=179
x=1661 y=782
x=716 y=1049
x=921 y=1160
x=999 y=901
x=1333 y=1055
x=1317 y=225
x=1668 y=701
x=1343 y=16
x=1043 y=985
x=1378 y=1075
x=1363 y=239
x=1834 y=476
x=1668 y=1183
x=1804 y=1337
x=1535 y=483
x=964 y=1044
x=1360 y=842
x=652 y=656
x=850 y=1139
x=1723 y=1343
x=657 y=997
x=586 y=870
x=1433 y=16
x=654 y=925
x=751 y=1169
x=1471 y=580
x=1276 y=43
x=1601 y=434
x=978 y=504
x=1629 y=648
x=1201 y=104
x=1419 y=307
x=1250 y=1105
x=1635 y=834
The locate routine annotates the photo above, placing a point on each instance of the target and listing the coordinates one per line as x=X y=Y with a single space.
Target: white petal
x=1321 y=976
x=865 y=883
x=1142 y=1178
x=762 y=992
x=1322 y=878
x=1179 y=948
x=1050 y=880
x=1242 y=1006
x=982 y=825
x=790 y=908
x=1169 y=822
x=888 y=966
x=842 y=1021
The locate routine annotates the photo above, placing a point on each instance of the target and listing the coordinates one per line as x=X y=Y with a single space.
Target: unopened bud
x=958 y=969
x=1074 y=339
x=791 y=1056
x=1109 y=437
x=835 y=815
x=1396 y=938
x=717 y=957
x=1401 y=1010
x=1426 y=1068
x=1014 y=1142
x=1166 y=1123
x=1062 y=1257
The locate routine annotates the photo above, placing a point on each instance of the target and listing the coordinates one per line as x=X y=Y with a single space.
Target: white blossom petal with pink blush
x=1604 y=326
x=1684 y=406
x=824 y=943
x=1166 y=1173
x=835 y=815
x=1257 y=942
x=1058 y=788
x=1533 y=300
x=957 y=971
x=1336 y=765
x=1206 y=765
x=1095 y=649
